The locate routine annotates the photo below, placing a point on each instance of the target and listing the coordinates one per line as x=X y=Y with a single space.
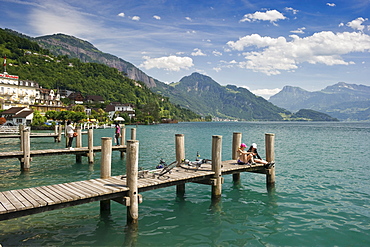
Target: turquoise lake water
x=321 y=197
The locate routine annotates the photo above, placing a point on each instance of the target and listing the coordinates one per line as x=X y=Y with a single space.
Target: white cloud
x=331 y=4
x=156 y=17
x=59 y=17
x=121 y=14
x=188 y=18
x=170 y=63
x=291 y=9
x=357 y=24
x=299 y=30
x=136 y=18
x=197 y=52
x=270 y=15
x=266 y=93
x=277 y=54
x=217 y=53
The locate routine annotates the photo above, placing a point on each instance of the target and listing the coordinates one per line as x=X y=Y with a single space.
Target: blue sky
x=262 y=45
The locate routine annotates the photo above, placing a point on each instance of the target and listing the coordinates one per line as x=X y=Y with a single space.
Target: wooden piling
x=133 y=134
x=123 y=138
x=56 y=133
x=105 y=167
x=60 y=129
x=216 y=166
x=270 y=157
x=237 y=140
x=21 y=128
x=180 y=156
x=26 y=161
x=78 y=144
x=65 y=133
x=132 y=165
x=90 y=142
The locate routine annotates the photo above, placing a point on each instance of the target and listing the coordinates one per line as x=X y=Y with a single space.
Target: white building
x=15 y=92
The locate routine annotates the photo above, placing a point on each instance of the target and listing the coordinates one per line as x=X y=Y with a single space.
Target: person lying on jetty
x=257 y=158
x=244 y=156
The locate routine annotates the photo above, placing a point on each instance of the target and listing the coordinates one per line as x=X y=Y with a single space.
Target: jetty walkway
x=125 y=189
x=25 y=154
x=16 y=203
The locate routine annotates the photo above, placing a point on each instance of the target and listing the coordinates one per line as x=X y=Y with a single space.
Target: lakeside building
x=26 y=93
x=114 y=107
x=18 y=115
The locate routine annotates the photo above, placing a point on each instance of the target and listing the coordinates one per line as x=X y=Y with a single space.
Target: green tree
x=38 y=119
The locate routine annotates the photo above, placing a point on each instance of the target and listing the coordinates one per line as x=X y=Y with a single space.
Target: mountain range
x=196 y=92
x=343 y=101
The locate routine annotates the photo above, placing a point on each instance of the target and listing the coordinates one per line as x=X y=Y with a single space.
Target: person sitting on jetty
x=244 y=156
x=70 y=131
x=257 y=158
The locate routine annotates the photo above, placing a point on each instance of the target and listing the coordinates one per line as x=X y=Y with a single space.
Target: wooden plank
x=87 y=189
x=97 y=187
x=22 y=199
x=50 y=198
x=90 y=192
x=6 y=204
x=15 y=201
x=103 y=186
x=74 y=189
x=2 y=209
x=94 y=188
x=59 y=198
x=37 y=196
x=35 y=203
x=109 y=184
x=118 y=183
x=65 y=193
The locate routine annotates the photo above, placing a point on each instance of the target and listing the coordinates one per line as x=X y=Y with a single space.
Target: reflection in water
x=131 y=234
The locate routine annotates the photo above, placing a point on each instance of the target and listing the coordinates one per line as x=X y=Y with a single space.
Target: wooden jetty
x=125 y=189
x=57 y=135
x=25 y=154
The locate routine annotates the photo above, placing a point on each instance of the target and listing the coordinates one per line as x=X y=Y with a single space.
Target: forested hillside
x=31 y=62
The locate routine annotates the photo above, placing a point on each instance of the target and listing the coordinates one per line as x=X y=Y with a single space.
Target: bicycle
x=197 y=163
x=166 y=168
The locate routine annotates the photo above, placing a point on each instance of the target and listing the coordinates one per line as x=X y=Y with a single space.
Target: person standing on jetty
x=117 y=133
x=70 y=131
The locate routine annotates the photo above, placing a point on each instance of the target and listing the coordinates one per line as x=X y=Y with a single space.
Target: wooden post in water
x=65 y=132
x=21 y=128
x=78 y=143
x=60 y=129
x=105 y=167
x=132 y=165
x=133 y=134
x=216 y=166
x=270 y=157
x=180 y=156
x=26 y=161
x=56 y=133
x=123 y=138
x=237 y=140
x=90 y=145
